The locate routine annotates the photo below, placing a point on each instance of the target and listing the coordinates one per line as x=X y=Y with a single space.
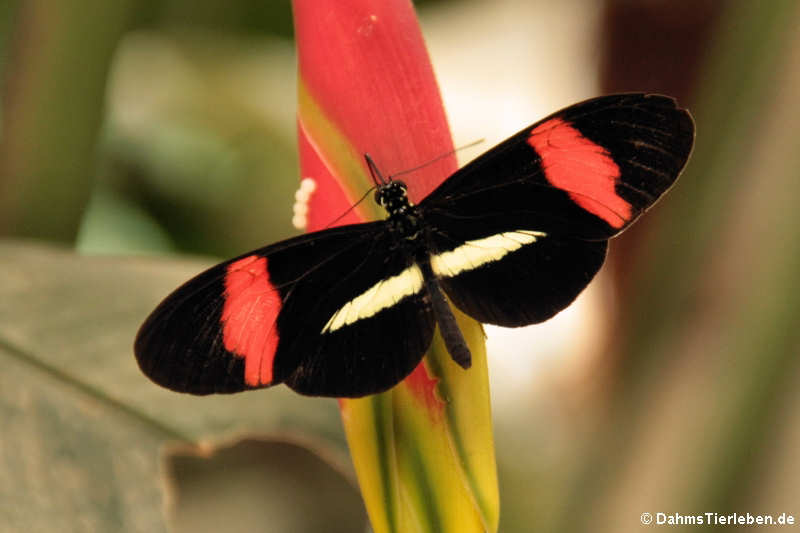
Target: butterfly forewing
x=290 y=312
x=587 y=171
x=514 y=278
x=524 y=226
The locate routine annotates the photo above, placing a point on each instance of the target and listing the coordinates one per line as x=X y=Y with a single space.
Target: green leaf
x=82 y=427
x=225 y=490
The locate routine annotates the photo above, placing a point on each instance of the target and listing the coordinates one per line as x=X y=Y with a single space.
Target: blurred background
x=137 y=131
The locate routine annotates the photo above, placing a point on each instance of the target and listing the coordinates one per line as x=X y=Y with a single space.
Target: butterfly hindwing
x=361 y=327
x=514 y=278
x=291 y=313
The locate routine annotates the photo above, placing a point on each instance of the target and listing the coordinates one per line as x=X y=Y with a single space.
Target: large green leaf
x=82 y=427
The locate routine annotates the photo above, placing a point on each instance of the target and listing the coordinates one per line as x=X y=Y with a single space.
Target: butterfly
x=510 y=239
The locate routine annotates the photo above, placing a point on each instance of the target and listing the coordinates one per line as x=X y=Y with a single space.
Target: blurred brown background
x=136 y=128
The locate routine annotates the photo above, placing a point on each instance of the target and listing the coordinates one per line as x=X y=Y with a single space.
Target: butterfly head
x=392 y=197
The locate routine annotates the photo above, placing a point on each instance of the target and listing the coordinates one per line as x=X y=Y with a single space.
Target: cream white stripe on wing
x=473 y=254
x=468 y=256
x=383 y=294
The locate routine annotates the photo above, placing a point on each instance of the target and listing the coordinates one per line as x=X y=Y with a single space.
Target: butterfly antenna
x=437 y=158
x=379 y=180
x=377 y=177
x=340 y=217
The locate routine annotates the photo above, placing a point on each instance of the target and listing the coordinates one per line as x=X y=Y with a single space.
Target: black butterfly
x=510 y=239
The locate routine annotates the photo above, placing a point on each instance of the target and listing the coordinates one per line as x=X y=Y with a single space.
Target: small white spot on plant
x=301 y=198
x=369 y=24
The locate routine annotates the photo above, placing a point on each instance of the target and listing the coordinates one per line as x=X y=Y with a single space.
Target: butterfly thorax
x=404 y=220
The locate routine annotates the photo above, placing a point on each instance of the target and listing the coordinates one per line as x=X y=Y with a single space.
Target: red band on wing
x=583 y=169
x=251 y=309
